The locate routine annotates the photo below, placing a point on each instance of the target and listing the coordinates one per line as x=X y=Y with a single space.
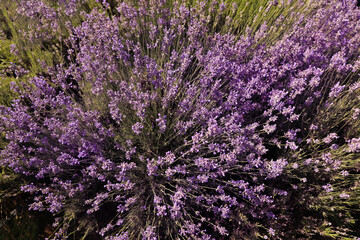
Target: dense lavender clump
x=161 y=126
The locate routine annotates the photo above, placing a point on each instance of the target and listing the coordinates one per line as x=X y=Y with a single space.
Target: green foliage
x=341 y=207
x=17 y=222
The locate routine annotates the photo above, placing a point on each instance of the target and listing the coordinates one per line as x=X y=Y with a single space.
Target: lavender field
x=179 y=119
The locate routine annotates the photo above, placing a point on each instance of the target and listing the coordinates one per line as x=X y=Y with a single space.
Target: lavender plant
x=164 y=123
x=22 y=49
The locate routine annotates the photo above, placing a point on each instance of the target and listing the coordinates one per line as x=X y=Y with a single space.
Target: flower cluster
x=159 y=125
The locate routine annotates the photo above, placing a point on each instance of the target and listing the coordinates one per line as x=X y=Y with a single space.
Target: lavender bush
x=174 y=120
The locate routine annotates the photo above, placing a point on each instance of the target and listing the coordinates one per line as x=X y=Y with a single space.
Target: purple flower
x=149 y=233
x=137 y=128
x=354 y=145
x=295 y=165
x=330 y=137
x=344 y=195
x=328 y=188
x=222 y=230
x=161 y=121
x=275 y=168
x=335 y=91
